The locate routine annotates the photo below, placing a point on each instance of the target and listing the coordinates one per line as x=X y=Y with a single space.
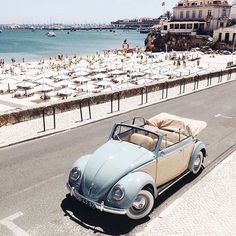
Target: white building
x=227 y=34
x=198 y=16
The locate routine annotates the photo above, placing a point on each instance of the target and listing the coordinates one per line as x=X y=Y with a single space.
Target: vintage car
x=140 y=160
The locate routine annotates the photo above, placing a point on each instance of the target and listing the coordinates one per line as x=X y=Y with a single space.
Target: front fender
x=199 y=146
x=81 y=162
x=133 y=183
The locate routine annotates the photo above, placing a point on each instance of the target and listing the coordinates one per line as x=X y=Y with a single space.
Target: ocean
x=36 y=45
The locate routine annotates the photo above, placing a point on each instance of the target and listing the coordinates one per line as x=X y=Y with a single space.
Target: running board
x=164 y=187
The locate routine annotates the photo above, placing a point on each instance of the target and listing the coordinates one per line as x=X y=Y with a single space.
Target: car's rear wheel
x=197 y=163
x=142 y=205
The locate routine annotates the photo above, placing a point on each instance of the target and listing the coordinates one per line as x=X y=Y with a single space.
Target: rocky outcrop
x=156 y=42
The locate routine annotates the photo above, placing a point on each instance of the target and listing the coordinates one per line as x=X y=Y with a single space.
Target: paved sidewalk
x=19 y=132
x=208 y=208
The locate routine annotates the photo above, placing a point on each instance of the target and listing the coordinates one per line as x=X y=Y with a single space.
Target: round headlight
x=118 y=192
x=75 y=173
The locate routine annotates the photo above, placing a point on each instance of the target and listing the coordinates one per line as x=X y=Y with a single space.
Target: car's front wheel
x=142 y=205
x=197 y=163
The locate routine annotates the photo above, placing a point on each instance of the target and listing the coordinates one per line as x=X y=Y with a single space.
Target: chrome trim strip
x=98 y=206
x=172 y=183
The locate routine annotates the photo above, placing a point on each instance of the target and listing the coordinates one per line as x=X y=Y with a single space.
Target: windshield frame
x=159 y=136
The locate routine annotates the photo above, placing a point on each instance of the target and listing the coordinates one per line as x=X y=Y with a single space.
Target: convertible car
x=141 y=159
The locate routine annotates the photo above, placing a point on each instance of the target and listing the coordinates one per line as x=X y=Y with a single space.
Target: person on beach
x=198 y=62
x=125 y=46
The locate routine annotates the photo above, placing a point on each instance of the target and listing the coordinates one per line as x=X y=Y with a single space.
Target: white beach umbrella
x=136 y=74
x=66 y=92
x=44 y=81
x=25 y=85
x=79 y=73
x=43 y=88
x=117 y=72
x=63 y=83
x=62 y=77
x=88 y=87
x=104 y=83
x=81 y=79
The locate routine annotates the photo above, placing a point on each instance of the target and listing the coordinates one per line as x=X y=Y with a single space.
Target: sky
x=78 y=11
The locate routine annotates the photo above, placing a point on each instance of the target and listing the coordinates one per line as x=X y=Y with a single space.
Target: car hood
x=108 y=164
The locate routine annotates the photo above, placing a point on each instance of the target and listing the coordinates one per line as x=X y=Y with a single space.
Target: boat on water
x=145 y=30
x=51 y=34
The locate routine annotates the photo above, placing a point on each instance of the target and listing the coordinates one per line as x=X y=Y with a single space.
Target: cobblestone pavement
x=208 y=208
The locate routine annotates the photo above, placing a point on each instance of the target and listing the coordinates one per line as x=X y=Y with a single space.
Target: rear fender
x=199 y=146
x=133 y=183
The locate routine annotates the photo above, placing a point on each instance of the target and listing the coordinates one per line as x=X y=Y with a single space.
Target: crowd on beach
x=65 y=76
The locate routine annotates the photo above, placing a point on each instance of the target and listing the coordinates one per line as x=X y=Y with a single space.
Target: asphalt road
x=33 y=197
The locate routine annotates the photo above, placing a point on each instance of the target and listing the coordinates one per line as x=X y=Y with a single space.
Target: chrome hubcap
x=140 y=202
x=197 y=162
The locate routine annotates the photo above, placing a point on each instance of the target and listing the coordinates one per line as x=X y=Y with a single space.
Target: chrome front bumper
x=99 y=206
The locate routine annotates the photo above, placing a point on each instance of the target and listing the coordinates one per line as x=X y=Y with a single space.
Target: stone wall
x=24 y=114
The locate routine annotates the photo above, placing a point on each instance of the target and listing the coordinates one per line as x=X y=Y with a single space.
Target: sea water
x=35 y=45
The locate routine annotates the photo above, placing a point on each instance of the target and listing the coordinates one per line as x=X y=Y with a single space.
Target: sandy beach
x=24 y=84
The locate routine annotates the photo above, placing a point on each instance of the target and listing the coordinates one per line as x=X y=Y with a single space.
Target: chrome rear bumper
x=99 y=206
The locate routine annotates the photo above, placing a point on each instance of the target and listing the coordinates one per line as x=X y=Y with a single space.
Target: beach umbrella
x=136 y=74
x=63 y=83
x=81 y=73
x=66 y=92
x=62 y=77
x=104 y=83
x=121 y=79
x=116 y=72
x=44 y=88
x=27 y=77
x=26 y=85
x=88 y=87
x=81 y=79
x=44 y=81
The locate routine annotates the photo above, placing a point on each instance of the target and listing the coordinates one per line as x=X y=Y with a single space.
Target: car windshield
x=136 y=135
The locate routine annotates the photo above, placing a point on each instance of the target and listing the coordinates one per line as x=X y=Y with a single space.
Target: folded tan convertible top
x=174 y=123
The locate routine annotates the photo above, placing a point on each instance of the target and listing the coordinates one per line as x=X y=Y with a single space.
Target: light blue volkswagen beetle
x=138 y=162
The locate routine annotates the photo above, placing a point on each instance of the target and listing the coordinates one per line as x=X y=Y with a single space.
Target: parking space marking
x=223 y=116
x=8 y=222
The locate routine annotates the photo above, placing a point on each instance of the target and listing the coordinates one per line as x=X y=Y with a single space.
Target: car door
x=172 y=161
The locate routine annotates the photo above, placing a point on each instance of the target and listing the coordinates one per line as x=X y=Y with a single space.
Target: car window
x=135 y=135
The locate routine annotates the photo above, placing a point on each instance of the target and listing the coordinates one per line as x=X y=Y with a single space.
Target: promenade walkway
x=208 y=208
x=19 y=132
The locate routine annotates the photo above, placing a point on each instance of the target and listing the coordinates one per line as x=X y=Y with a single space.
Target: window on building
x=195 y=26
x=224 y=12
x=176 y=26
x=187 y=14
x=171 y=26
x=165 y=27
x=181 y=15
x=221 y=24
x=193 y=14
x=209 y=13
x=234 y=37
x=200 y=14
x=189 y=26
x=220 y=37
x=201 y=26
x=182 y=26
x=226 y=37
